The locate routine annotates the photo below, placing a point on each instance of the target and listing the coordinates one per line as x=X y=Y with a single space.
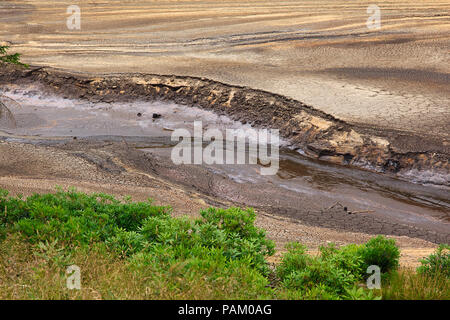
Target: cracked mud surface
x=115 y=163
x=321 y=134
x=114 y=167
x=316 y=133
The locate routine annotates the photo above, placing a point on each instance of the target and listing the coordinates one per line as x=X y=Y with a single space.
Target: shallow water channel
x=33 y=116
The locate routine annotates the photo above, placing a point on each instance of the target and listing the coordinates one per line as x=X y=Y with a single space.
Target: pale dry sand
x=319 y=52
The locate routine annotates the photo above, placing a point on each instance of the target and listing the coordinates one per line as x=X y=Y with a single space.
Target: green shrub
x=358 y=293
x=74 y=218
x=233 y=221
x=243 y=238
x=304 y=272
x=205 y=267
x=10 y=58
x=293 y=260
x=357 y=258
x=126 y=243
x=239 y=237
x=381 y=252
x=347 y=258
x=437 y=263
x=320 y=272
x=335 y=273
x=167 y=231
x=232 y=230
x=222 y=254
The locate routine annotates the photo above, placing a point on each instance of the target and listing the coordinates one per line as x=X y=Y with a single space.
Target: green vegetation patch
x=10 y=58
x=136 y=250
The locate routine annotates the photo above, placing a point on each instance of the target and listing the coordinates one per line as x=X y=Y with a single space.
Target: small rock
x=156 y=116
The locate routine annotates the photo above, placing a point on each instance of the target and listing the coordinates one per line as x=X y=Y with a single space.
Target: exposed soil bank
x=318 y=52
x=116 y=147
x=108 y=164
x=318 y=134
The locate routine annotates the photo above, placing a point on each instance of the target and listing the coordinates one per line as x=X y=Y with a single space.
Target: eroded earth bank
x=328 y=167
x=316 y=133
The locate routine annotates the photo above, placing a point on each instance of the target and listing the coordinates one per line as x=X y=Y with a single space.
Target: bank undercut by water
x=309 y=130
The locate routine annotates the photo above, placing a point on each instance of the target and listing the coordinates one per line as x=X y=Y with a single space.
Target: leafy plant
x=53 y=254
x=138 y=250
x=230 y=230
x=304 y=272
x=348 y=258
x=222 y=244
x=336 y=272
x=74 y=218
x=437 y=263
x=381 y=252
x=126 y=243
x=358 y=293
x=293 y=260
x=10 y=58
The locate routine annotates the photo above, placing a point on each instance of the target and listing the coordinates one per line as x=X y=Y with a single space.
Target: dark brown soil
x=320 y=135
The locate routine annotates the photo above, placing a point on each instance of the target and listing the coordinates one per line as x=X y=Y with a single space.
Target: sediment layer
x=318 y=134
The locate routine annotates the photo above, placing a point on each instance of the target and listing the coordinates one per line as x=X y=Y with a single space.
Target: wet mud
x=123 y=144
x=313 y=132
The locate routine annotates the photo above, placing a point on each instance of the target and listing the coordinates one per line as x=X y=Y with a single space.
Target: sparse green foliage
x=336 y=272
x=138 y=250
x=438 y=263
x=325 y=275
x=381 y=252
x=10 y=58
x=358 y=293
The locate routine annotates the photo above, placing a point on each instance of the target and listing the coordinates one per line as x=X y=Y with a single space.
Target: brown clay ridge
x=318 y=134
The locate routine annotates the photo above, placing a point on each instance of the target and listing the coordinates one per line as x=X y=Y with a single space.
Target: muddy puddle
x=33 y=117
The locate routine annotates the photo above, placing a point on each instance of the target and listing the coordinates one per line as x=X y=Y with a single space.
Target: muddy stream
x=33 y=117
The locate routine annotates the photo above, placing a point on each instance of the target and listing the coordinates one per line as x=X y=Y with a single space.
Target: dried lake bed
x=319 y=58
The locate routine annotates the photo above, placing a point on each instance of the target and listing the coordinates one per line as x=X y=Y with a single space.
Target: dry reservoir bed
x=117 y=138
x=318 y=52
x=339 y=92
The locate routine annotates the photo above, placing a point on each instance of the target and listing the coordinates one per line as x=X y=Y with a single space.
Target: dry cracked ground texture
x=27 y=169
x=320 y=52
